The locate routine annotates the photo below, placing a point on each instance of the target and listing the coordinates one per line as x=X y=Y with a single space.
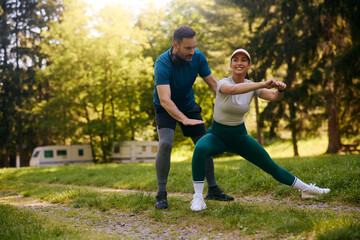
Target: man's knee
x=165 y=146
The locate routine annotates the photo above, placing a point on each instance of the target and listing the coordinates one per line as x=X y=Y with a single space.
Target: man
x=174 y=102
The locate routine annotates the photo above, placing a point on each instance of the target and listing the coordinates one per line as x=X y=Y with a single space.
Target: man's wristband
x=281 y=90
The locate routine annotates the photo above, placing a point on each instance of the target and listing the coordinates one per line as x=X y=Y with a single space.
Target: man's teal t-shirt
x=180 y=78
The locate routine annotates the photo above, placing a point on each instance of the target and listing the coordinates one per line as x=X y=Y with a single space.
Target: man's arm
x=164 y=93
x=211 y=82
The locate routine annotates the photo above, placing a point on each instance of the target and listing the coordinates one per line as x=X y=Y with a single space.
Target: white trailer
x=61 y=155
x=134 y=151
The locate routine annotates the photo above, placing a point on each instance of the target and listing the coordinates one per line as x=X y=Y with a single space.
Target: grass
x=244 y=219
x=234 y=176
x=16 y=223
x=249 y=219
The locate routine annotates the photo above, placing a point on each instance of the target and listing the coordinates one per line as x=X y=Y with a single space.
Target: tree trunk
x=289 y=80
x=90 y=135
x=7 y=158
x=102 y=141
x=293 y=127
x=129 y=106
x=102 y=144
x=333 y=121
x=258 y=128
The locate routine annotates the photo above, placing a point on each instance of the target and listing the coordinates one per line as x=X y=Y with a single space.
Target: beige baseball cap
x=241 y=50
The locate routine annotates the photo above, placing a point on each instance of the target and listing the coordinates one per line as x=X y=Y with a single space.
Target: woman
x=228 y=132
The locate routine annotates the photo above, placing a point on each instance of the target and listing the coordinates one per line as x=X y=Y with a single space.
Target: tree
x=216 y=38
x=306 y=37
x=281 y=40
x=159 y=32
x=21 y=22
x=96 y=68
x=341 y=62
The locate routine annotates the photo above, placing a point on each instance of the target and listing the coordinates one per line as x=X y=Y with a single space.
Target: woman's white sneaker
x=313 y=191
x=198 y=204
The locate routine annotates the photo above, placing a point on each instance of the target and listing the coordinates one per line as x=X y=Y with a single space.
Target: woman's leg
x=210 y=172
x=252 y=151
x=214 y=191
x=208 y=145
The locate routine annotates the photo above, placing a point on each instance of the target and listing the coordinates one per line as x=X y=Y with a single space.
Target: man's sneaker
x=197 y=204
x=161 y=200
x=313 y=191
x=215 y=193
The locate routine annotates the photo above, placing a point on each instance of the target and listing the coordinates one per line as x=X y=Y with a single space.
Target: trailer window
x=81 y=152
x=36 y=154
x=48 y=153
x=154 y=149
x=117 y=149
x=61 y=152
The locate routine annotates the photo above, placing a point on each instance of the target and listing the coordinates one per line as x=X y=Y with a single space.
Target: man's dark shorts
x=164 y=120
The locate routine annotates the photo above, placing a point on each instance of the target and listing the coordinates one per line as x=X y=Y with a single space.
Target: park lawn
x=274 y=213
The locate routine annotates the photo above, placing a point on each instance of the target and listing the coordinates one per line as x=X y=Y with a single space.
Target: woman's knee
x=202 y=148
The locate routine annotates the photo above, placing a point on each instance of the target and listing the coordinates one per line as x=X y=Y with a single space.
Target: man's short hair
x=183 y=32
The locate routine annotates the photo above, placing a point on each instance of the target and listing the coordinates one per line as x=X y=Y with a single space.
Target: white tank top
x=230 y=109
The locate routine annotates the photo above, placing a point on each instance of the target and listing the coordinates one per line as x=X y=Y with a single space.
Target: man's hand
x=189 y=121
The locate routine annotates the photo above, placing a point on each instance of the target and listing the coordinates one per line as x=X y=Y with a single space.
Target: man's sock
x=161 y=186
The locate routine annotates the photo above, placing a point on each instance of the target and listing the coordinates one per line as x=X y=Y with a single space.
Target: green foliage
x=70 y=77
x=20 y=27
x=214 y=37
x=307 y=37
x=96 y=74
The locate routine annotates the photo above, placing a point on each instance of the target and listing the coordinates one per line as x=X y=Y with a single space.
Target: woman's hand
x=271 y=83
x=280 y=86
x=272 y=95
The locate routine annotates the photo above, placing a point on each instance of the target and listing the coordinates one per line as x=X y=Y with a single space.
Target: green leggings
x=221 y=138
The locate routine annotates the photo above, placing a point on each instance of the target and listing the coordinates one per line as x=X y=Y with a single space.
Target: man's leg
x=162 y=165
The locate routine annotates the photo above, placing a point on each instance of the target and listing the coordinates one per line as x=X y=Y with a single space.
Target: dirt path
x=114 y=223
x=267 y=199
x=135 y=226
